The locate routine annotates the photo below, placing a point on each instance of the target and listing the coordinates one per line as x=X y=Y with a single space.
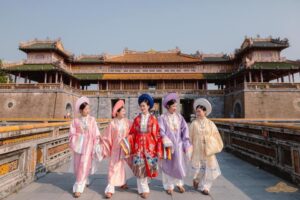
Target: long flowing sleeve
x=106 y=141
x=162 y=131
x=97 y=132
x=97 y=149
x=162 y=127
x=131 y=135
x=72 y=135
x=158 y=139
x=185 y=135
x=192 y=131
x=216 y=135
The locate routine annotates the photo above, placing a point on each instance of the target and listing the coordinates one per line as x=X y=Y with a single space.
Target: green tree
x=3 y=75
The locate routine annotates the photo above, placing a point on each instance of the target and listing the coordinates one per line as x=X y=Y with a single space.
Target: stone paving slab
x=239 y=181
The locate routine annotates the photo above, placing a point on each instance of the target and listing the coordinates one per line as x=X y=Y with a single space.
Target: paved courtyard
x=240 y=180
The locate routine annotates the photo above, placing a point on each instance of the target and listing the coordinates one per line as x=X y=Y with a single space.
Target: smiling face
x=144 y=107
x=85 y=111
x=201 y=112
x=121 y=113
x=172 y=108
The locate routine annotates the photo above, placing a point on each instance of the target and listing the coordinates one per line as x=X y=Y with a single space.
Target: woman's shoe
x=145 y=195
x=195 y=184
x=108 y=195
x=181 y=189
x=124 y=187
x=205 y=192
x=169 y=192
x=76 y=194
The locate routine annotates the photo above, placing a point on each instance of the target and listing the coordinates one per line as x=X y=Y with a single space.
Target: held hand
x=167 y=142
x=189 y=152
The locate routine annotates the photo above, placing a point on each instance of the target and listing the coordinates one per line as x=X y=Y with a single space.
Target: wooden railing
x=9 y=86
x=58 y=86
x=34 y=119
x=272 y=146
x=270 y=86
x=30 y=151
x=157 y=69
x=38 y=86
x=243 y=86
x=153 y=92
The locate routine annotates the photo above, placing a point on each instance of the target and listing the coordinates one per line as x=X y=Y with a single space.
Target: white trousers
x=142 y=185
x=170 y=182
x=79 y=187
x=204 y=182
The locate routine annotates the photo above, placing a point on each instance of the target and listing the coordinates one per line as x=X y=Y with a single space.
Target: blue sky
x=95 y=26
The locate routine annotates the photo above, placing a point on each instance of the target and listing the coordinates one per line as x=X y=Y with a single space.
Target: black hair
x=83 y=105
x=170 y=103
x=201 y=107
x=145 y=101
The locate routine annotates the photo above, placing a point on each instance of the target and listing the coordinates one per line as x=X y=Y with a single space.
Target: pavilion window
x=189 y=85
x=114 y=85
x=152 y=85
x=255 y=78
x=131 y=85
x=159 y=85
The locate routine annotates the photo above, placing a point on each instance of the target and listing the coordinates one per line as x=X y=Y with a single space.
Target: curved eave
x=243 y=51
x=36 y=49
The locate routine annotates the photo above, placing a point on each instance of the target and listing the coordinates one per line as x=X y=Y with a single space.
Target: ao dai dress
x=174 y=130
x=206 y=168
x=116 y=131
x=87 y=126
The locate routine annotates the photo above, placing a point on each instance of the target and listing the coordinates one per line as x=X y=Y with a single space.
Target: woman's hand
x=189 y=152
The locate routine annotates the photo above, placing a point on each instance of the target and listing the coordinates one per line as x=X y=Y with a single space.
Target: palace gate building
x=253 y=82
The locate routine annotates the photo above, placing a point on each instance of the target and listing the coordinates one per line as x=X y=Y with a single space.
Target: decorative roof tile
x=152 y=56
x=38 y=45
